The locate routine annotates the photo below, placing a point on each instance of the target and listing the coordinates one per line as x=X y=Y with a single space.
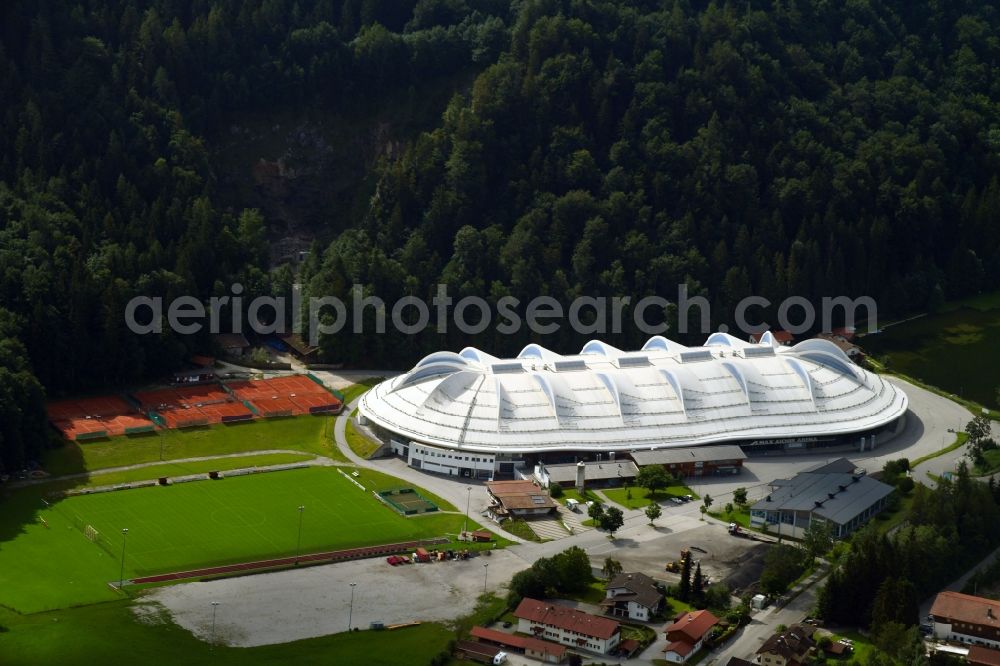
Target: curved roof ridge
x=534 y=350
x=601 y=348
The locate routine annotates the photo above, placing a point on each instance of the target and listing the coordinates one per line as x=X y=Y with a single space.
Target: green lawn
x=593 y=594
x=641 y=496
x=189 y=526
x=360 y=444
x=373 y=480
x=310 y=434
x=886 y=521
x=109 y=633
x=571 y=493
x=948 y=349
x=520 y=528
x=741 y=518
x=992 y=462
x=862 y=646
x=960 y=439
x=355 y=391
x=101 y=478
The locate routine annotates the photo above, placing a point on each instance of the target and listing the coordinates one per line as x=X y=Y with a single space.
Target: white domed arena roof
x=606 y=399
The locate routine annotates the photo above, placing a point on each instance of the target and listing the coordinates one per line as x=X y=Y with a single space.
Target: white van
x=500 y=658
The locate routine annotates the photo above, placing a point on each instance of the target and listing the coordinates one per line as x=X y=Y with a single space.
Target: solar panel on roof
x=632 y=361
x=749 y=352
x=698 y=355
x=499 y=368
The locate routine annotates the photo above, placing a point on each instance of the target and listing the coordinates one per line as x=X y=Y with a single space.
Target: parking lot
x=315 y=601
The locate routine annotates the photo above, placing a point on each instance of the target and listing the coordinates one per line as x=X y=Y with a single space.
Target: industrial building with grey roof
x=844 y=501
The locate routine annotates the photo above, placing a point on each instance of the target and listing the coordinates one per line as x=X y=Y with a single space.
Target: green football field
x=194 y=525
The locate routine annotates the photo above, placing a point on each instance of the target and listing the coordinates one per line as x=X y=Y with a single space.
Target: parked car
x=677 y=500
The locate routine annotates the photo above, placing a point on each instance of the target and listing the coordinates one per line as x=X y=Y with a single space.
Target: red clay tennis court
x=285 y=396
x=91 y=418
x=189 y=406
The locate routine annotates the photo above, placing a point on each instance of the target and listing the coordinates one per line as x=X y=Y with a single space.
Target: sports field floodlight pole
x=350 y=611
x=215 y=607
x=468 y=503
x=298 y=544
x=121 y=573
x=486 y=571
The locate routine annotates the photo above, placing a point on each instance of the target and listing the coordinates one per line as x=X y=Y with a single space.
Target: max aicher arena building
x=474 y=415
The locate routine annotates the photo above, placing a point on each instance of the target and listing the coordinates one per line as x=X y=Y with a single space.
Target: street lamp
x=486 y=571
x=298 y=543
x=350 y=612
x=215 y=607
x=121 y=573
x=468 y=504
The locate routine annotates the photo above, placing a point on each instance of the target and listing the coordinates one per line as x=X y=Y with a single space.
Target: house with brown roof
x=686 y=635
x=633 y=596
x=567 y=626
x=854 y=352
x=231 y=344
x=534 y=648
x=983 y=656
x=963 y=618
x=790 y=647
x=515 y=499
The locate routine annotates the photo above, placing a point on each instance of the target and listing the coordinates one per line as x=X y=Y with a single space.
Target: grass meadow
x=53 y=565
x=112 y=633
x=953 y=350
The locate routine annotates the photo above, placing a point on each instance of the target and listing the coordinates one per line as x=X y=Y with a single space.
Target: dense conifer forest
x=588 y=148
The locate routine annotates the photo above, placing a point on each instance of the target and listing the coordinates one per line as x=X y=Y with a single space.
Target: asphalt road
x=763 y=624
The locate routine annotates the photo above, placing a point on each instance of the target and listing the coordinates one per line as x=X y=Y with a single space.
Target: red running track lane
x=331 y=556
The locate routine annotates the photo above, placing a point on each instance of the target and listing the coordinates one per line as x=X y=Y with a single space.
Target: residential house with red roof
x=686 y=635
x=567 y=626
x=535 y=648
x=963 y=618
x=981 y=656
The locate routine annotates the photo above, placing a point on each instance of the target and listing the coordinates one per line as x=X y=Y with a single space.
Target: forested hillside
x=771 y=148
x=107 y=189
x=605 y=148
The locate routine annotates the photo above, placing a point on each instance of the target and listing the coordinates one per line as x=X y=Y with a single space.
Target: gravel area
x=315 y=601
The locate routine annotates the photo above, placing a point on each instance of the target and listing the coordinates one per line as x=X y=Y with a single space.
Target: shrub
x=556 y=491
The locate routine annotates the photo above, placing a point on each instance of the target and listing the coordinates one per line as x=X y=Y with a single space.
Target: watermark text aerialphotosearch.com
x=587 y=315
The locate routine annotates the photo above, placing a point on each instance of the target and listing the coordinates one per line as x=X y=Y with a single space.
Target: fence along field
x=194 y=525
